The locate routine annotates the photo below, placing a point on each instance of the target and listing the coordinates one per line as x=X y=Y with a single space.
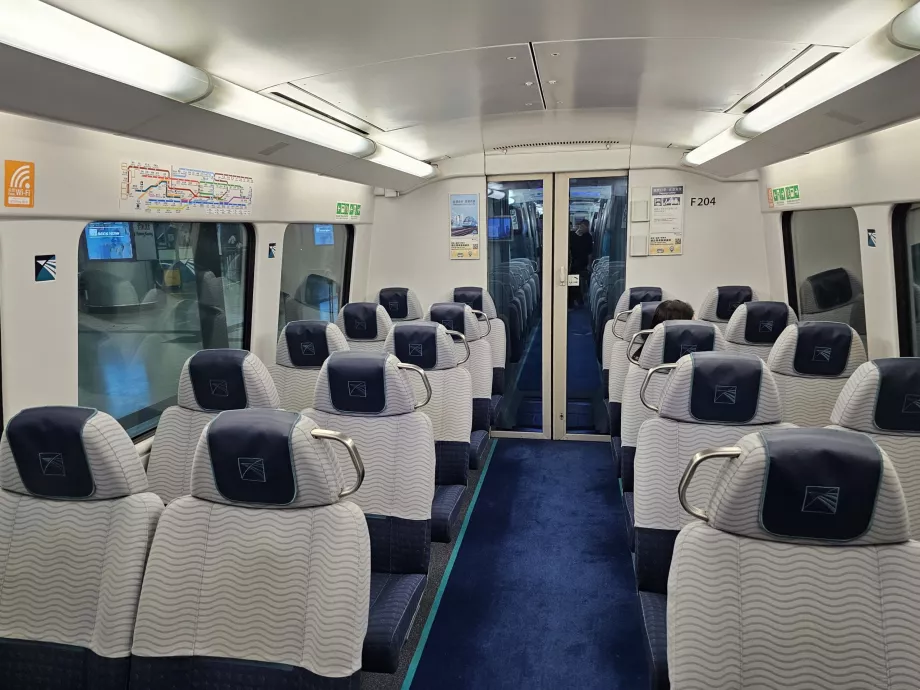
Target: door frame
x=546 y=301
x=559 y=279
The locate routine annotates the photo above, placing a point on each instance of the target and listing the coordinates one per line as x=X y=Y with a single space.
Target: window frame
x=901 y=258
x=792 y=289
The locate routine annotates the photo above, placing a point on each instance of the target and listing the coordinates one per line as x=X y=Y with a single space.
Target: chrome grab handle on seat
x=648 y=378
x=476 y=313
x=352 y=452
x=420 y=372
x=632 y=344
x=616 y=320
x=727 y=452
x=458 y=334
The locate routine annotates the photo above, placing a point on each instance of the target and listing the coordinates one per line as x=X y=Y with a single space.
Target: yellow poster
x=19 y=184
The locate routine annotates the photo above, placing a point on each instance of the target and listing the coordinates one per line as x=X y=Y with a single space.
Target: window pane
x=828 y=267
x=313 y=262
x=912 y=236
x=150 y=296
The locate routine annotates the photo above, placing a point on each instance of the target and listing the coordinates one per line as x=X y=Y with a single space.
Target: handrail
x=420 y=372
x=632 y=344
x=353 y=453
x=728 y=452
x=648 y=378
x=466 y=344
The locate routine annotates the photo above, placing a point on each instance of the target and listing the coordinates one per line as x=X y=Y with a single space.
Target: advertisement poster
x=666 y=234
x=464 y=226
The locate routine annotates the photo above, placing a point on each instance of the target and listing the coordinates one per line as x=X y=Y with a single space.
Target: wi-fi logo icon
x=20 y=184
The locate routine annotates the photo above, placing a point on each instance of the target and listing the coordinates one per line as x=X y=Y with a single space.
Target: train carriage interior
x=484 y=345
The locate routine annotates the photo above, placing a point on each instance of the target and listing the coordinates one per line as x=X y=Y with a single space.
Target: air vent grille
x=546 y=144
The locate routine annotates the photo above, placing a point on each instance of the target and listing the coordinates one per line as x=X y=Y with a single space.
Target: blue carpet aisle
x=542 y=593
x=585 y=409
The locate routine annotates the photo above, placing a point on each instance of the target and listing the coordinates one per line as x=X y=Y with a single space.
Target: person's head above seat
x=672 y=310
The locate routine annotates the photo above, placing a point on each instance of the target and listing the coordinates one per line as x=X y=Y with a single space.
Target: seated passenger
x=669 y=310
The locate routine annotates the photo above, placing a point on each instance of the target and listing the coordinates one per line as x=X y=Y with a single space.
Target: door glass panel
x=515 y=251
x=597 y=263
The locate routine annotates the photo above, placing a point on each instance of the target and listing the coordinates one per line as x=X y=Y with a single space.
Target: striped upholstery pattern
x=295 y=384
x=758 y=613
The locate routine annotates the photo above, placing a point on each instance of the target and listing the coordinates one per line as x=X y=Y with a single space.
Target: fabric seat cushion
x=394 y=601
x=445 y=512
x=655 y=622
x=479 y=446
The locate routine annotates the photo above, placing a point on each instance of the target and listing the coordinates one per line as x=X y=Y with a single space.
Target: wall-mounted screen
x=500 y=228
x=109 y=241
x=323 y=235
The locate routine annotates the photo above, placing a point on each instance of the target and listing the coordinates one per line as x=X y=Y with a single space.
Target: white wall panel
x=878 y=281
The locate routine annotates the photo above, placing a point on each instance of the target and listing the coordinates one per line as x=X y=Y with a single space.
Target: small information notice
x=783 y=196
x=345 y=210
x=666 y=234
x=464 y=226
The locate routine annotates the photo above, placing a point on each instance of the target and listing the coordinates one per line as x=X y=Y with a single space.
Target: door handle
x=562 y=275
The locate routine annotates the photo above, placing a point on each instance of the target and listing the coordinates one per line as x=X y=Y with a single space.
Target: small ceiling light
x=552 y=81
x=555 y=54
x=512 y=57
x=528 y=104
x=528 y=83
x=558 y=102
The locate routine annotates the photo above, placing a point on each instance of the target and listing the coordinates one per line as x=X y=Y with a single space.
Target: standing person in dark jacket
x=581 y=247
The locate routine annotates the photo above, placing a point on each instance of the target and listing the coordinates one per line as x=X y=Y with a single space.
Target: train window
x=150 y=296
x=315 y=263
x=905 y=227
x=823 y=266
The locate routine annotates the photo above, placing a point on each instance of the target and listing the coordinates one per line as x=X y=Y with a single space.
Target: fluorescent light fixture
x=869 y=58
x=719 y=144
x=400 y=161
x=247 y=106
x=38 y=28
x=905 y=29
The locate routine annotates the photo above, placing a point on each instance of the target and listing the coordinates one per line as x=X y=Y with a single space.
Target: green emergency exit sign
x=787 y=195
x=345 y=210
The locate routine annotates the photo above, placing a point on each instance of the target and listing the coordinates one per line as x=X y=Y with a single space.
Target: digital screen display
x=323 y=234
x=500 y=228
x=109 y=241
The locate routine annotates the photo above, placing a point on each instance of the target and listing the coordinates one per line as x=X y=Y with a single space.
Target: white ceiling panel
x=558 y=126
x=432 y=88
x=684 y=74
x=261 y=44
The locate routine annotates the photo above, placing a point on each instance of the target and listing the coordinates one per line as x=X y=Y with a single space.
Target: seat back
x=430 y=346
x=455 y=316
x=811 y=362
x=639 y=319
x=834 y=295
x=756 y=326
x=882 y=399
x=710 y=399
x=799 y=573
x=721 y=303
x=494 y=331
x=259 y=578
x=211 y=381
x=302 y=348
x=76 y=520
x=667 y=343
x=401 y=304
x=365 y=325
x=614 y=327
x=367 y=397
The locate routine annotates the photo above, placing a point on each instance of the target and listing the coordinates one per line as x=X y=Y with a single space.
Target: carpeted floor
x=542 y=592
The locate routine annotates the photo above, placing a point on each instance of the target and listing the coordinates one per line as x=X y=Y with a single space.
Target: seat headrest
x=637 y=295
x=721 y=302
x=671 y=340
x=74 y=453
x=759 y=323
x=823 y=486
x=455 y=316
x=882 y=396
x=639 y=319
x=817 y=348
x=721 y=388
x=225 y=379
x=425 y=344
x=364 y=321
x=478 y=299
x=363 y=384
x=307 y=344
x=265 y=458
x=401 y=304
x=829 y=289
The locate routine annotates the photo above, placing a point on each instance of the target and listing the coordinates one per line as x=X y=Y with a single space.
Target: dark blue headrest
x=306 y=343
x=396 y=301
x=831 y=288
x=451 y=315
x=47 y=446
x=765 y=321
x=469 y=295
x=897 y=406
x=822 y=348
x=819 y=483
x=725 y=388
x=417 y=344
x=637 y=295
x=217 y=379
x=251 y=455
x=647 y=310
x=360 y=319
x=730 y=298
x=357 y=381
x=685 y=337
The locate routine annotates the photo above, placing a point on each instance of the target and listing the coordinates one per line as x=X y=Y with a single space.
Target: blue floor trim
x=542 y=594
x=413 y=665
